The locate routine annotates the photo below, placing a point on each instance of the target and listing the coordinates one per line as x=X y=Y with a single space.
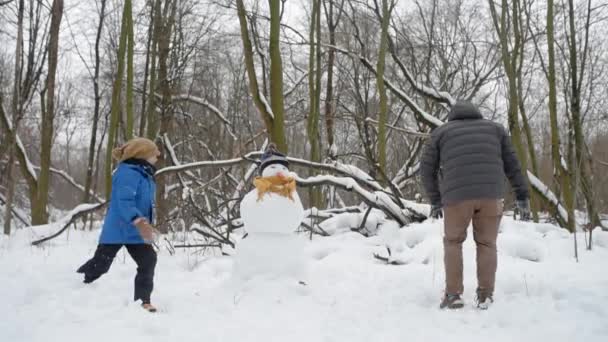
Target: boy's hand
x=146 y=230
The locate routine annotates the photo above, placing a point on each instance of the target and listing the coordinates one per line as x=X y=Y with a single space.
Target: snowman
x=271 y=213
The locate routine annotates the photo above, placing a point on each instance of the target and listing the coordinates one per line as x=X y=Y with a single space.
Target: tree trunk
x=331 y=59
x=266 y=111
x=153 y=122
x=116 y=100
x=383 y=108
x=276 y=77
x=149 y=46
x=166 y=124
x=510 y=63
x=17 y=113
x=314 y=79
x=561 y=173
x=582 y=164
x=39 y=214
x=534 y=198
x=130 y=47
x=96 y=112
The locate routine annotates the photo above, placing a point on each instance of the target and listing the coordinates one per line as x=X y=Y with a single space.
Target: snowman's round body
x=271 y=247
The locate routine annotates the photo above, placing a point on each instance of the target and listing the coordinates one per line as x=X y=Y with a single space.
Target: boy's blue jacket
x=133 y=191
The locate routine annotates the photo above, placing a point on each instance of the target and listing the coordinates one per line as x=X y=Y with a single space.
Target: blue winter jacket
x=133 y=190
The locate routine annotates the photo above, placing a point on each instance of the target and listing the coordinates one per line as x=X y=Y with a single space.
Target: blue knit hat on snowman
x=272 y=156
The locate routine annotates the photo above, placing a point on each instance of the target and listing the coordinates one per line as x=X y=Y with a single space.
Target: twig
x=310 y=228
x=199 y=245
x=364 y=221
x=387 y=261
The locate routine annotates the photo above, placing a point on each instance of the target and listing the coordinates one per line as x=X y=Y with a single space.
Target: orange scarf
x=284 y=186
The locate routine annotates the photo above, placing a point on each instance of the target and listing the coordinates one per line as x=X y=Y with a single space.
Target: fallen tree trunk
x=66 y=221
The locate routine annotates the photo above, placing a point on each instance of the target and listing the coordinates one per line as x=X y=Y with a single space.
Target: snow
x=542 y=188
x=350 y=296
x=18 y=213
x=600 y=238
x=428 y=117
x=349 y=221
x=29 y=166
x=28 y=163
x=377 y=198
x=429 y=91
x=357 y=173
x=266 y=104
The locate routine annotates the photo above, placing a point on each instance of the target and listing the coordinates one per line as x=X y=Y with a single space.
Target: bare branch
x=204 y=103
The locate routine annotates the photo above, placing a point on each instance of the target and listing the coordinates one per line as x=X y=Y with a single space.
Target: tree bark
x=39 y=213
x=273 y=122
x=116 y=100
x=383 y=108
x=314 y=87
x=331 y=59
x=17 y=112
x=510 y=62
x=149 y=46
x=153 y=122
x=166 y=110
x=96 y=112
x=130 y=47
x=582 y=162
x=561 y=173
x=276 y=76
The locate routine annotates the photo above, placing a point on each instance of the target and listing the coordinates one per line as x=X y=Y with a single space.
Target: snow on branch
x=72 y=182
x=63 y=223
x=206 y=104
x=441 y=96
x=378 y=200
x=422 y=114
x=346 y=170
x=402 y=130
x=266 y=105
x=549 y=195
x=21 y=216
x=19 y=144
x=206 y=163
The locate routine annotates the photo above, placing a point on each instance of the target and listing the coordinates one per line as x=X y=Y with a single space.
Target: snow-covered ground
x=350 y=296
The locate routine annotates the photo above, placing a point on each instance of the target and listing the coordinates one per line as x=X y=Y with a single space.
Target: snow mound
x=352 y=221
x=600 y=238
x=349 y=296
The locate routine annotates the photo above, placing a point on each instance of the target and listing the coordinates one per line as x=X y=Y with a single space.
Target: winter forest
x=350 y=91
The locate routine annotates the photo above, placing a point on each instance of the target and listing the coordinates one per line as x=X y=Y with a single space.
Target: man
x=463 y=170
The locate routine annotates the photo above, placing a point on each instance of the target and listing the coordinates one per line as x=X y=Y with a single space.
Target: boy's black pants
x=143 y=254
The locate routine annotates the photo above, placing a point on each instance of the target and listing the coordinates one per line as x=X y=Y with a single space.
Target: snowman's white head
x=275 y=169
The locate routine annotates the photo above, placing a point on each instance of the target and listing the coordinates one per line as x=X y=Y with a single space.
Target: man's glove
x=522 y=208
x=436 y=211
x=146 y=230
